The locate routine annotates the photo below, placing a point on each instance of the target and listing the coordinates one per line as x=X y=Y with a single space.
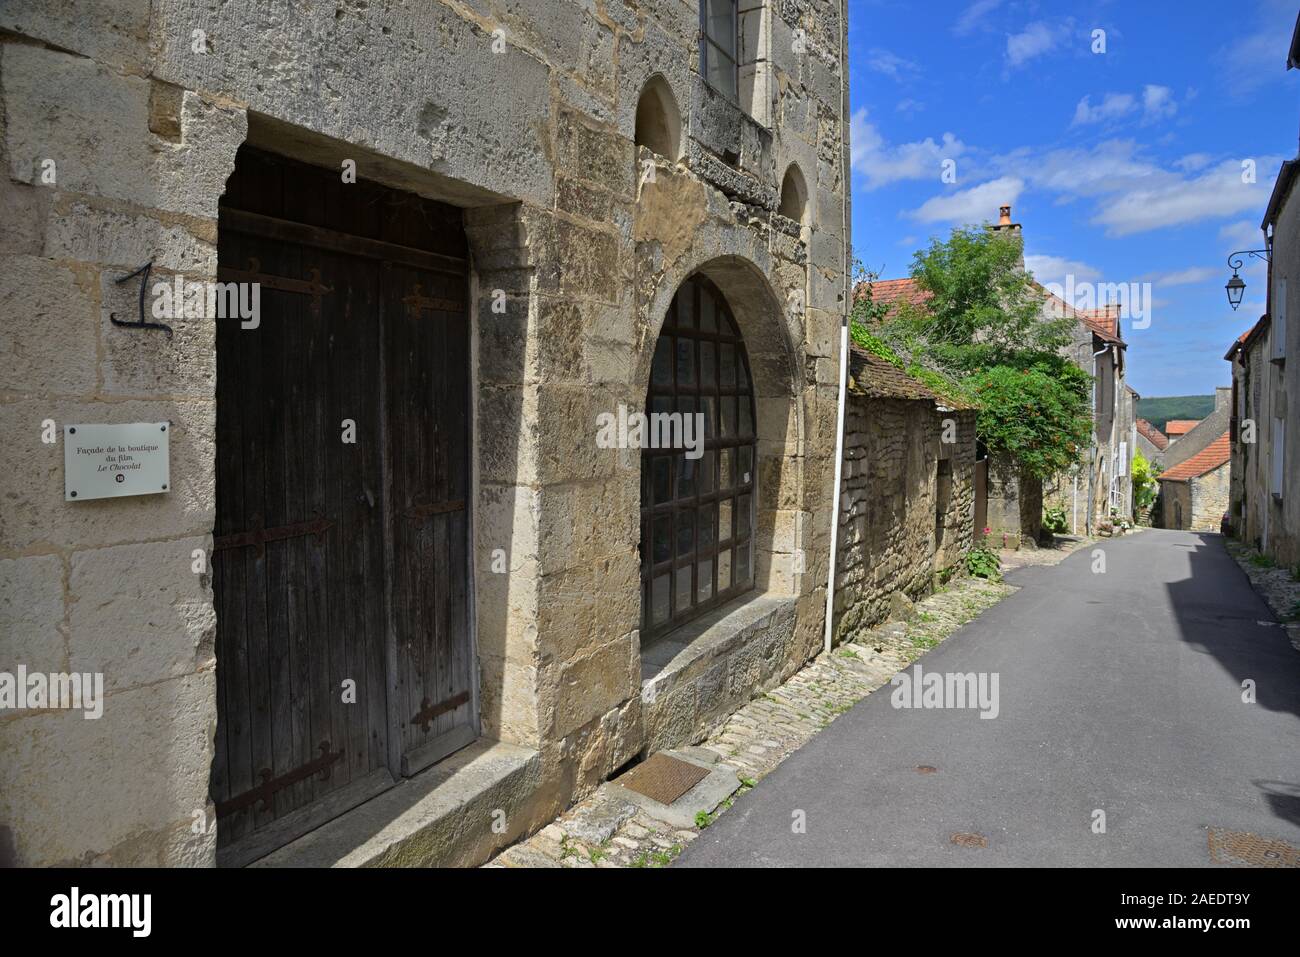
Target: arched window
x=697 y=513
x=794 y=196
x=658 y=120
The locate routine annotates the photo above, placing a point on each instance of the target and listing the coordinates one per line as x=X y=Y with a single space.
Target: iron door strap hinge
x=417 y=300
x=419 y=511
x=424 y=717
x=270 y=785
x=260 y=536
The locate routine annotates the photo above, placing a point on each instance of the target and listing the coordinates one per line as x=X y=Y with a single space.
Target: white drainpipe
x=844 y=339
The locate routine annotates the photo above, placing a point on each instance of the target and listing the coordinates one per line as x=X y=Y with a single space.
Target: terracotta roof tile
x=1177 y=427
x=1107 y=328
x=1208 y=459
x=1154 y=435
x=890 y=291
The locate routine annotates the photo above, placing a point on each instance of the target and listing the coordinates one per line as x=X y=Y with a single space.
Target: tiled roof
x=1106 y=328
x=1154 y=435
x=1247 y=337
x=877 y=378
x=891 y=291
x=1177 y=427
x=1208 y=459
x=1106 y=318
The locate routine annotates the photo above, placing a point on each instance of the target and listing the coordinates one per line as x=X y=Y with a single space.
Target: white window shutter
x=1122 y=468
x=1279 y=454
x=1279 y=320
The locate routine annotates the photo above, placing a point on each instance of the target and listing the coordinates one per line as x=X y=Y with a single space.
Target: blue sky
x=1123 y=166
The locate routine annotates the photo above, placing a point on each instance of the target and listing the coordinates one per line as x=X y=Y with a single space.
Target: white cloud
x=1243 y=234
x=975 y=205
x=1177 y=200
x=1194 y=161
x=1111 y=107
x=974 y=15
x=1181 y=277
x=882 y=163
x=1157 y=103
x=1256 y=55
x=909 y=106
x=1032 y=42
x=892 y=65
x=1055 y=268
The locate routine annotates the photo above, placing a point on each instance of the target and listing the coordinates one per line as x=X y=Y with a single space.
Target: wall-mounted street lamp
x=1236 y=286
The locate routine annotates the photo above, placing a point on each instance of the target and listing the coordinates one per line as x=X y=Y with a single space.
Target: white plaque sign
x=107 y=461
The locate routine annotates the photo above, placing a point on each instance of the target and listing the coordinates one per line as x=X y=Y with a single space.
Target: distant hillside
x=1161 y=409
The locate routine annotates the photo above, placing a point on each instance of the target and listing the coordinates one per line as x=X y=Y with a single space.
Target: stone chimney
x=1009 y=229
x=1222 y=397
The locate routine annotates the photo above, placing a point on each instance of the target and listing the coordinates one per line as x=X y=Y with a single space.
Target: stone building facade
x=906 y=515
x=1194 y=494
x=1265 y=508
x=565 y=180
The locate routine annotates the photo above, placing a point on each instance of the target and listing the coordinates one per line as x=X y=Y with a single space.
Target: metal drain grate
x=663 y=778
x=1251 y=850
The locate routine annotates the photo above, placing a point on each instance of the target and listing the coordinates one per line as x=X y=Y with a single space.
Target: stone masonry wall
x=887 y=545
x=523 y=114
x=1209 y=499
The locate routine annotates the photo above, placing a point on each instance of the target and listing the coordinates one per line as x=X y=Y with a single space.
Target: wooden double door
x=341 y=566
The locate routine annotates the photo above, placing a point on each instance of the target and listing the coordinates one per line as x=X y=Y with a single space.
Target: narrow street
x=1120 y=692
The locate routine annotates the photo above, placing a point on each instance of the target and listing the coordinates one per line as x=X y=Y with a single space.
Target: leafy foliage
x=1054 y=521
x=983 y=336
x=983 y=562
x=1145 y=486
x=1158 y=410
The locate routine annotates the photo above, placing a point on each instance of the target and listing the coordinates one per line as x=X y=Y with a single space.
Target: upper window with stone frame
x=718 y=42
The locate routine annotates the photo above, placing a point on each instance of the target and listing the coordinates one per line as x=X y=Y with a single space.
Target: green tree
x=982 y=333
x=1144 y=480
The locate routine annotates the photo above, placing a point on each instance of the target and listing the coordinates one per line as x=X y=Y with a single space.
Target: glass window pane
x=708 y=319
x=724 y=570
x=742 y=376
x=742 y=516
x=662 y=373
x=709 y=406
x=685 y=362
x=724 y=520
x=745 y=465
x=685 y=532
x=685 y=300
x=708 y=473
x=726 y=478
x=721 y=72
x=687 y=471
x=661 y=469
x=684 y=593
x=708 y=366
x=705 y=581
x=663 y=547
x=707 y=514
x=659 y=600
x=728 y=423
x=661 y=403
x=727 y=366
x=720 y=23
x=746 y=427
x=743 y=570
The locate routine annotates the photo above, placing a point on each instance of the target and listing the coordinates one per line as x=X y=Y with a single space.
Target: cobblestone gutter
x=1279 y=587
x=605 y=831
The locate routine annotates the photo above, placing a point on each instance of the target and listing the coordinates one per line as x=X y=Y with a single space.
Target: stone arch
x=780 y=529
x=794 y=196
x=658 y=119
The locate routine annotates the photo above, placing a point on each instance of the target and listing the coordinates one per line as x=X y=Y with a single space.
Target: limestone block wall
x=1176 y=505
x=523 y=114
x=890 y=511
x=1209 y=494
x=1015 y=505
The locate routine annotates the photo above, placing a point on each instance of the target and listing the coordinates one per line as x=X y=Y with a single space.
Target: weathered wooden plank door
x=341 y=555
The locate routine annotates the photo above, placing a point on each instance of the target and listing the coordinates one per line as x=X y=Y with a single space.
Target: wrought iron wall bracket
x=142 y=323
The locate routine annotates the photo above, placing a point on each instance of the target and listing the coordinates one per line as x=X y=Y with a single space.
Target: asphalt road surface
x=1118 y=692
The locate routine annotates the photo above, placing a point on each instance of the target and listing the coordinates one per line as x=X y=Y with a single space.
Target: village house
x=1102 y=486
x=909 y=507
x=1265 y=495
x=390 y=601
x=1175 y=429
x=1194 y=493
x=1151 y=442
